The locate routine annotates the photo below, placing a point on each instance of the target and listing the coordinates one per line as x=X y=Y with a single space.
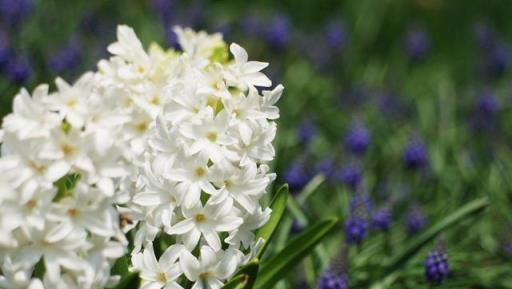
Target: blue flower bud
x=382 y=219
x=417 y=44
x=436 y=265
x=19 y=69
x=415 y=221
x=350 y=175
x=277 y=34
x=330 y=280
x=357 y=138
x=296 y=176
x=335 y=35
x=415 y=154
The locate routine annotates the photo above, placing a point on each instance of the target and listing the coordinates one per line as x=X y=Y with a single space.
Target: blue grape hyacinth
x=297 y=176
x=350 y=175
x=19 y=69
x=356 y=229
x=306 y=131
x=277 y=34
x=12 y=12
x=415 y=221
x=335 y=35
x=330 y=280
x=415 y=154
x=436 y=264
x=357 y=224
x=65 y=58
x=335 y=277
x=417 y=44
x=357 y=138
x=487 y=104
x=326 y=167
x=382 y=218
x=496 y=60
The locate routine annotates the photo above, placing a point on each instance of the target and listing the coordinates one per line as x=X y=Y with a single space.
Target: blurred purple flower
x=356 y=229
x=65 y=58
x=417 y=44
x=13 y=12
x=487 y=103
x=484 y=36
x=296 y=228
x=382 y=218
x=5 y=52
x=277 y=33
x=357 y=138
x=297 y=176
x=350 y=175
x=436 y=265
x=163 y=8
x=415 y=221
x=326 y=167
x=335 y=35
x=19 y=69
x=496 y=60
x=415 y=154
x=306 y=131
x=331 y=280
x=252 y=26
x=360 y=205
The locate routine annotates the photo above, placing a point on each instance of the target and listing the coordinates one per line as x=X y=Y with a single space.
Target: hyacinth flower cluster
x=336 y=276
x=155 y=143
x=436 y=264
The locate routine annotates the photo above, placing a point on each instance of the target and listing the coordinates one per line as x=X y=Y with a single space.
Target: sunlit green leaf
x=276 y=267
x=278 y=206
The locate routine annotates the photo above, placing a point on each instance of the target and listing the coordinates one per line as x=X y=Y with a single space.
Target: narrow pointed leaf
x=276 y=267
x=278 y=207
x=470 y=209
x=311 y=186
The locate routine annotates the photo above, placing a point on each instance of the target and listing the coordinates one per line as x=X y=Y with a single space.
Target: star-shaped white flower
x=206 y=221
x=158 y=274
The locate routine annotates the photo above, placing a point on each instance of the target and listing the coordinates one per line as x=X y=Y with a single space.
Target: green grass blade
x=276 y=267
x=310 y=187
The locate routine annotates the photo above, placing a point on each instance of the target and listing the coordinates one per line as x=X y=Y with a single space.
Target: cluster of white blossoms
x=169 y=148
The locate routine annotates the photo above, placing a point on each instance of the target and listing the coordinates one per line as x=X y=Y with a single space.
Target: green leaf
x=276 y=267
x=128 y=279
x=278 y=206
x=470 y=209
x=237 y=282
x=249 y=272
x=311 y=186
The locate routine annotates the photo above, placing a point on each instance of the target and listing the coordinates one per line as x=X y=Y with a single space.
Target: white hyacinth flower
x=169 y=147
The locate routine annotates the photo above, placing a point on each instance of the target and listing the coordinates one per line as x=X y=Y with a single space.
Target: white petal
x=181 y=227
x=147 y=199
x=211 y=237
x=239 y=53
x=190 y=265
